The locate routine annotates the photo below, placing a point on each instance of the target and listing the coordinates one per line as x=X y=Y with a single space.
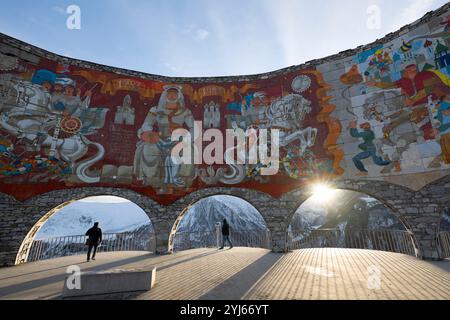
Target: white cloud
x=198 y=34
x=171 y=67
x=415 y=10
x=187 y=30
x=201 y=34
x=264 y=36
x=59 y=10
x=287 y=18
x=241 y=43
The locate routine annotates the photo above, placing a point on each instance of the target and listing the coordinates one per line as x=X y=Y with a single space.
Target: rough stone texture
x=110 y=282
x=420 y=211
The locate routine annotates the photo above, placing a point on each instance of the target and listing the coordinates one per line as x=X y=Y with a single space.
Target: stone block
x=110 y=282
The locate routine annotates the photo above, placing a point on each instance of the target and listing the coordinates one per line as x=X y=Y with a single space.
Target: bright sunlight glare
x=323 y=192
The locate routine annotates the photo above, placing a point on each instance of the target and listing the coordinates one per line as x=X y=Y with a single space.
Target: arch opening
x=61 y=231
x=443 y=235
x=349 y=219
x=199 y=224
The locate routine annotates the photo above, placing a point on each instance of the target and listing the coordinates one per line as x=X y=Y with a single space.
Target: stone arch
x=438 y=194
x=409 y=205
x=257 y=199
x=438 y=191
x=385 y=192
x=388 y=194
x=42 y=207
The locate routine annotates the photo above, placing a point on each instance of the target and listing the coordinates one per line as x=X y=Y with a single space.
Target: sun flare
x=323 y=192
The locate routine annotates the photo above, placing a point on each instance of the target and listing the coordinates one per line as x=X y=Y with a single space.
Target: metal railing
x=55 y=247
x=213 y=238
x=443 y=240
x=386 y=240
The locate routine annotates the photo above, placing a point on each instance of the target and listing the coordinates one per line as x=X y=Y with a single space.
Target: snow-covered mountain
x=120 y=215
x=445 y=221
x=140 y=239
x=347 y=209
x=198 y=227
x=113 y=214
x=203 y=215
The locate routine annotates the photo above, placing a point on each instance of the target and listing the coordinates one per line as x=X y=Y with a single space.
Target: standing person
x=94 y=238
x=226 y=234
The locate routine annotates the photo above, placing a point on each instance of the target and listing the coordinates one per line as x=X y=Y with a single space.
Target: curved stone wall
x=375 y=119
x=420 y=212
x=380 y=112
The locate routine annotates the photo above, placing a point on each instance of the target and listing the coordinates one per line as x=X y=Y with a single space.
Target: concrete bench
x=111 y=282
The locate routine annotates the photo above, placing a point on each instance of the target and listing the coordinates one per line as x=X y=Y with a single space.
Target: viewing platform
x=249 y=273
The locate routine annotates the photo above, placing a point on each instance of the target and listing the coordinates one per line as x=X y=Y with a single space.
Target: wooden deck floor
x=248 y=273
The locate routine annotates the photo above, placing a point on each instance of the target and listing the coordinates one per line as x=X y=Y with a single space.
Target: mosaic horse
x=25 y=113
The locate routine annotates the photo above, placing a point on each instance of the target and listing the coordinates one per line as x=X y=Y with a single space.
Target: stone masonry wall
x=419 y=210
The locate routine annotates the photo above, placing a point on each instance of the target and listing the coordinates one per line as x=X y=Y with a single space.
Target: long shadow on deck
x=15 y=288
x=39 y=271
x=235 y=287
x=32 y=284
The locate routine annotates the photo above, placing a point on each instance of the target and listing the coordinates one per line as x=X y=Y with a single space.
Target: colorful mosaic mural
x=382 y=112
x=395 y=104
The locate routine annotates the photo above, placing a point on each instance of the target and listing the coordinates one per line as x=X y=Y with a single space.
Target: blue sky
x=205 y=37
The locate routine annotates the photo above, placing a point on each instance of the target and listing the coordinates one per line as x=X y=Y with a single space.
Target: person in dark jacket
x=226 y=234
x=94 y=238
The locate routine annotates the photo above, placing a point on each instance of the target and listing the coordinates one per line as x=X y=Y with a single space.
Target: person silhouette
x=226 y=234
x=94 y=238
